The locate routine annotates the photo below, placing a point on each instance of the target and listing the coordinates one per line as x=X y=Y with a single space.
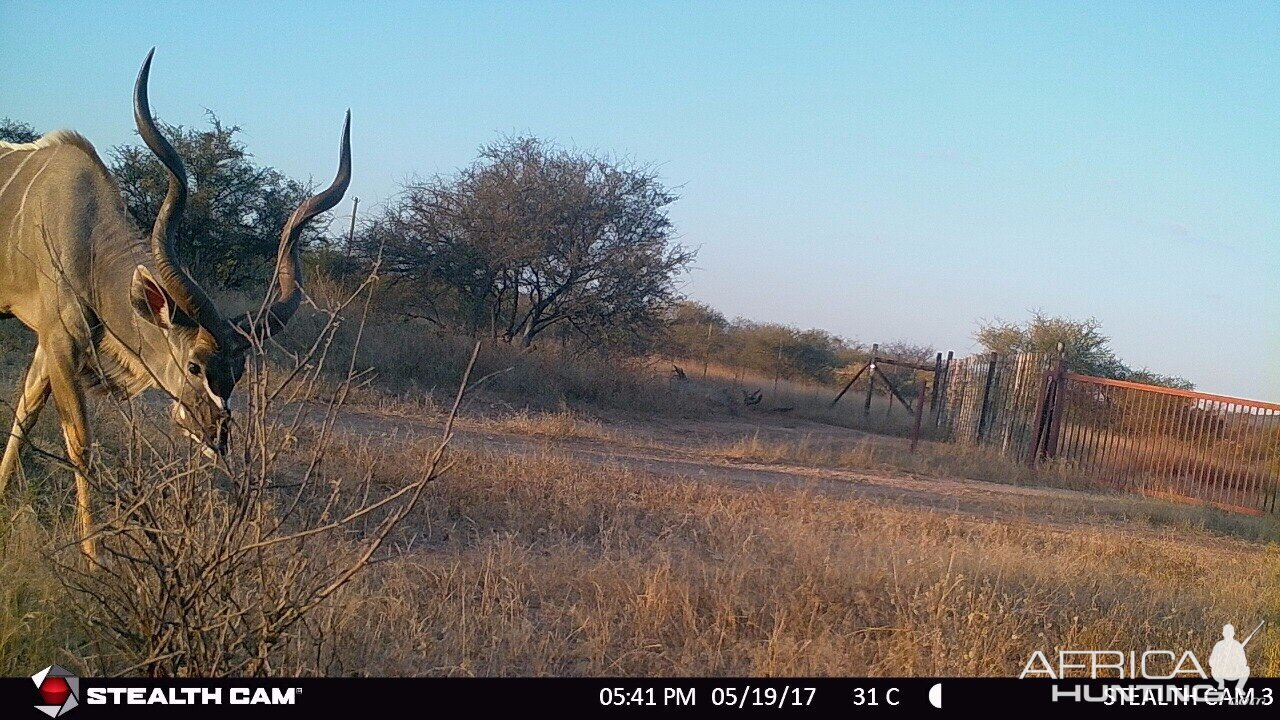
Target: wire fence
x=1164 y=442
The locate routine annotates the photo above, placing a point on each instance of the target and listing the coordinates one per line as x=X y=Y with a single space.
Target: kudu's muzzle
x=210 y=426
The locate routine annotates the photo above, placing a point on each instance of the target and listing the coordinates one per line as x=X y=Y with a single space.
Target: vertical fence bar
x=1235 y=448
x=1248 y=493
x=1150 y=431
x=1220 y=482
x=1059 y=407
x=1168 y=418
x=1225 y=450
x=1106 y=436
x=1271 y=484
x=986 y=397
x=1258 y=458
x=1042 y=416
x=1071 y=436
x=1207 y=489
x=871 y=378
x=915 y=428
x=1186 y=468
x=937 y=379
x=1199 y=469
x=1088 y=436
x=1219 y=454
x=1265 y=420
x=945 y=384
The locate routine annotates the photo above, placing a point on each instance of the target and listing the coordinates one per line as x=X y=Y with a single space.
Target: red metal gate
x=1177 y=444
x=1165 y=442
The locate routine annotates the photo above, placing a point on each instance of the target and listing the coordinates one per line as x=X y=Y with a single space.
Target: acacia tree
x=532 y=237
x=230 y=230
x=1085 y=347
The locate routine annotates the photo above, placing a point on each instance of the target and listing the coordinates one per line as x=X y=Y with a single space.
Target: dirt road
x=685 y=449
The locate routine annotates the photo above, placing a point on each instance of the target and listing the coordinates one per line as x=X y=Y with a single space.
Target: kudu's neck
x=129 y=353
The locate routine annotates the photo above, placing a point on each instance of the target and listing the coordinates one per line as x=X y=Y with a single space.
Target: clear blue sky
x=882 y=170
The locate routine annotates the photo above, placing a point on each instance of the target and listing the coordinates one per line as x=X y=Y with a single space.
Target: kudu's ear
x=150 y=300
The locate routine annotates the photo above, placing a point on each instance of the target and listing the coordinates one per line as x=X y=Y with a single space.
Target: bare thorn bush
x=216 y=567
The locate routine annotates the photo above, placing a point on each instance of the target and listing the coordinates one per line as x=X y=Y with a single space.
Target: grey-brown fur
x=111 y=313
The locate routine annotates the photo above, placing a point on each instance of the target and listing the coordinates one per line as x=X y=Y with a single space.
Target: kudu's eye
x=193 y=368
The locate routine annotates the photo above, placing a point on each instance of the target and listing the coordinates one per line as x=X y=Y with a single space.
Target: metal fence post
x=1037 y=425
x=944 y=384
x=937 y=377
x=1057 y=407
x=915 y=428
x=351 y=232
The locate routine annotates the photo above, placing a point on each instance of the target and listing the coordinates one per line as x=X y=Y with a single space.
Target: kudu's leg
x=63 y=365
x=35 y=390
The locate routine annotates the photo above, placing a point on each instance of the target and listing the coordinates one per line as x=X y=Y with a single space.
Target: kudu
x=110 y=315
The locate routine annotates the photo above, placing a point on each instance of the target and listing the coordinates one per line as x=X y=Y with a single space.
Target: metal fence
x=1219 y=450
x=1153 y=440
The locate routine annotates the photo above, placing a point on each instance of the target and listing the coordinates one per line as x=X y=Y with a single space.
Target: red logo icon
x=59 y=689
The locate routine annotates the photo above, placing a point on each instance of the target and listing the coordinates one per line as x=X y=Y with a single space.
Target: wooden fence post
x=777 y=373
x=986 y=397
x=1042 y=414
x=871 y=379
x=351 y=232
x=944 y=388
x=937 y=377
x=1058 y=406
x=915 y=428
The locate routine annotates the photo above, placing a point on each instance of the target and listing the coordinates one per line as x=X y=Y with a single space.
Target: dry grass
x=33 y=627
x=558 y=425
x=549 y=567
x=518 y=564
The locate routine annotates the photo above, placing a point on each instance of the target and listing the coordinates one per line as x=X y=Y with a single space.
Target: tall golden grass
x=548 y=564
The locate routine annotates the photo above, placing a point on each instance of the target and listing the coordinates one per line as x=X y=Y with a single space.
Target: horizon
x=884 y=172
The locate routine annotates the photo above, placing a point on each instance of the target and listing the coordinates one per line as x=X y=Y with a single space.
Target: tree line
x=698 y=332
x=530 y=242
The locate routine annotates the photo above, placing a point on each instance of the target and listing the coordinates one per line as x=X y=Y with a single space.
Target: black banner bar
x=602 y=697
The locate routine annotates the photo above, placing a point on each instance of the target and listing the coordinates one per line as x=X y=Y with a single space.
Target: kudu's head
x=205 y=352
